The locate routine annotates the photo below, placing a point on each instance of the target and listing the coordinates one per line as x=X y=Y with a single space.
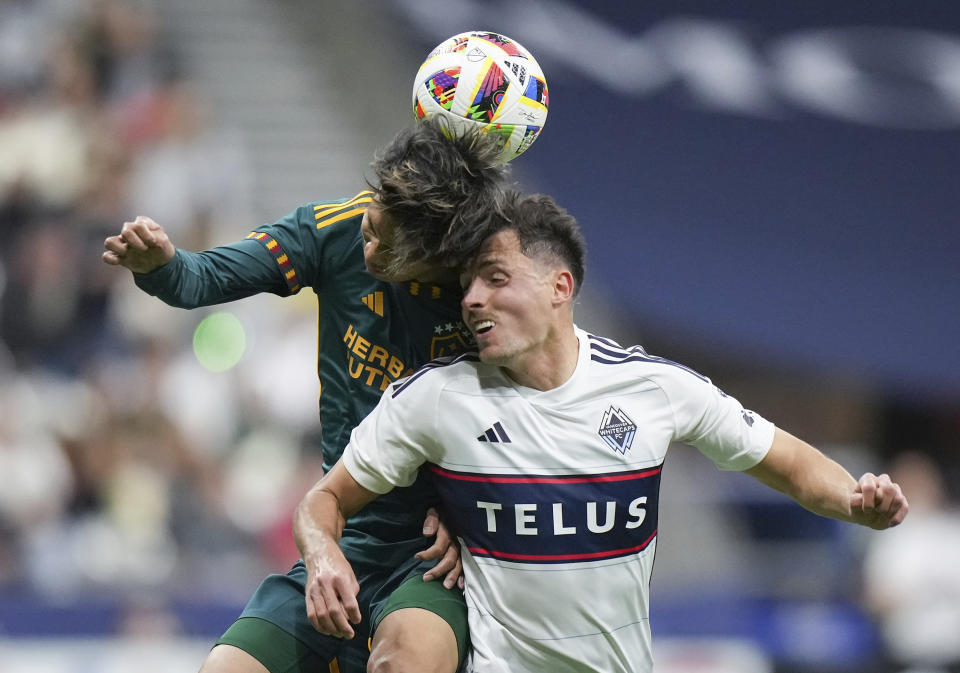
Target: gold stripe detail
x=341 y=217
x=322 y=211
x=374 y=302
x=334 y=206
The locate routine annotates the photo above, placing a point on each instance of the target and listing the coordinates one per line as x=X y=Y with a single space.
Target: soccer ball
x=486 y=79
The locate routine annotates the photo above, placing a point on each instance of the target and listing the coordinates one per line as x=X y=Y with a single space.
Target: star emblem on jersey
x=494 y=433
x=617 y=430
x=451 y=338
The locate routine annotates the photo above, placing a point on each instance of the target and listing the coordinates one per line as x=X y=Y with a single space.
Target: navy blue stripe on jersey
x=552 y=518
x=614 y=344
x=608 y=353
x=445 y=361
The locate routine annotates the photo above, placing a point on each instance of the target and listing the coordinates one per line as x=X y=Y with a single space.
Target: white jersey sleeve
x=388 y=447
x=716 y=424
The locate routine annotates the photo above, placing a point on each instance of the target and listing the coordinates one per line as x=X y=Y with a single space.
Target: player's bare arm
x=445 y=548
x=824 y=487
x=141 y=246
x=331 y=589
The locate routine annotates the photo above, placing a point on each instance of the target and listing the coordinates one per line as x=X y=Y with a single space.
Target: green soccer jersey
x=370 y=333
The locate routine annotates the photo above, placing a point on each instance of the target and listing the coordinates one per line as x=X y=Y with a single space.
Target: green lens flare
x=219 y=341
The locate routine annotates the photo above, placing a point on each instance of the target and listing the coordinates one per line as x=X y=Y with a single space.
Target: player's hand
x=878 y=502
x=331 y=593
x=446 y=548
x=141 y=246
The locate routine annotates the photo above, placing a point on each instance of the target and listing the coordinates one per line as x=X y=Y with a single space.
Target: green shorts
x=274 y=628
x=414 y=592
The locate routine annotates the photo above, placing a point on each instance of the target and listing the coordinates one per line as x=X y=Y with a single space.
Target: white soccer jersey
x=554 y=493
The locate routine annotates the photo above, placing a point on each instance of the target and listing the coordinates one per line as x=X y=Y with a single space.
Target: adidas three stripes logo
x=495 y=434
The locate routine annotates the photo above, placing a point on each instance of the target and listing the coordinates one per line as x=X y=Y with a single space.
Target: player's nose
x=473 y=296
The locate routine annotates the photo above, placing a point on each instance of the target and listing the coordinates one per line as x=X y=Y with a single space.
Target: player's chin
x=381 y=274
x=489 y=354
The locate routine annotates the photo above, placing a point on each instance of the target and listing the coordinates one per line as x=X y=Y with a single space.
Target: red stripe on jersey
x=506 y=556
x=280 y=257
x=590 y=479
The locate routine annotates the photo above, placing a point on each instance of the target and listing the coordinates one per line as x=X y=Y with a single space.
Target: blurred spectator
x=187 y=176
x=36 y=481
x=46 y=138
x=24 y=30
x=124 y=42
x=112 y=475
x=912 y=573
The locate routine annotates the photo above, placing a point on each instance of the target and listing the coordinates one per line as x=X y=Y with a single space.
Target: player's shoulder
x=441 y=373
x=609 y=358
x=318 y=220
x=324 y=214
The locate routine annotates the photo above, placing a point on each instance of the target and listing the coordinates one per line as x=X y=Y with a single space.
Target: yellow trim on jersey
x=334 y=206
x=418 y=289
x=281 y=258
x=326 y=210
x=374 y=302
x=341 y=217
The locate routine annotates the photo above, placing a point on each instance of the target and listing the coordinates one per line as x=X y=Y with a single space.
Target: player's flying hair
x=438 y=188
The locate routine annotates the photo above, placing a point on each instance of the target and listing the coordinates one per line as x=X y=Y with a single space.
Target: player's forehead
x=501 y=250
x=503 y=245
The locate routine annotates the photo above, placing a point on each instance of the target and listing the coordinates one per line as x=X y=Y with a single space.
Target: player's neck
x=438 y=276
x=550 y=365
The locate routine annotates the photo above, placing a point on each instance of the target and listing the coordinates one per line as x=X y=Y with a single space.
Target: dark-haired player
x=382 y=264
x=547 y=444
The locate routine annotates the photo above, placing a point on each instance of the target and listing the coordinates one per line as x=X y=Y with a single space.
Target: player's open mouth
x=483 y=326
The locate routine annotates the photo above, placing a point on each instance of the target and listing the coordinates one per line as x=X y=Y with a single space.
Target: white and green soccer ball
x=486 y=79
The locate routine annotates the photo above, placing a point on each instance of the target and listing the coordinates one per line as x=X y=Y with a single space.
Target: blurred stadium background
x=770 y=195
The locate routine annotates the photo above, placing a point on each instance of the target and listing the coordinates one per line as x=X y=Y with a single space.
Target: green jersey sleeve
x=215 y=276
x=279 y=258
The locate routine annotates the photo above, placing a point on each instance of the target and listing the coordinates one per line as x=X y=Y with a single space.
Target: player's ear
x=563 y=286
